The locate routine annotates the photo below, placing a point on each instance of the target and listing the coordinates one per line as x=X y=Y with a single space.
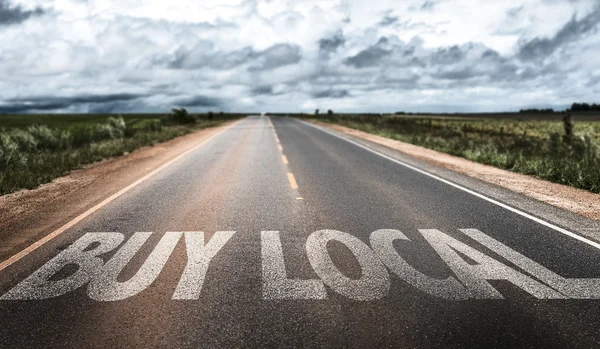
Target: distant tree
x=210 y=115
x=330 y=112
x=317 y=112
x=182 y=116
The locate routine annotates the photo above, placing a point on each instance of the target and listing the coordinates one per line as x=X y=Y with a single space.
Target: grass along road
x=35 y=149
x=544 y=149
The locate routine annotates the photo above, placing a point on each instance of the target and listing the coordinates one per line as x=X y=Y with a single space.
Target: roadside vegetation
x=566 y=151
x=36 y=149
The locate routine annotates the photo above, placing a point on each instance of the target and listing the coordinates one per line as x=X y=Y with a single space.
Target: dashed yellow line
x=292 y=181
x=291 y=177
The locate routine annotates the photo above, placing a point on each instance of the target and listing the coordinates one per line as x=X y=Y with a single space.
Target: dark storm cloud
x=331 y=93
x=119 y=107
x=15 y=108
x=328 y=46
x=262 y=90
x=370 y=56
x=500 y=68
x=489 y=53
x=388 y=20
x=198 y=101
x=405 y=81
x=234 y=59
x=277 y=56
x=458 y=74
x=410 y=66
x=448 y=55
x=572 y=31
x=460 y=63
x=273 y=57
x=515 y=11
x=389 y=51
x=332 y=44
x=593 y=81
x=48 y=103
x=10 y=14
x=428 y=5
x=198 y=58
x=464 y=62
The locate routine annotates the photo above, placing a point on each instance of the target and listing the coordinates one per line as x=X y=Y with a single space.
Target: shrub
x=102 y=131
x=115 y=128
x=65 y=140
x=44 y=137
x=568 y=126
x=10 y=155
x=154 y=126
x=166 y=119
x=25 y=140
x=118 y=126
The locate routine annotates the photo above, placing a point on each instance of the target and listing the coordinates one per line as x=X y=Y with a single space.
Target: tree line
x=578 y=107
x=585 y=107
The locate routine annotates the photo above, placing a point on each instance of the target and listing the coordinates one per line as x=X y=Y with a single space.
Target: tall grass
x=550 y=150
x=37 y=154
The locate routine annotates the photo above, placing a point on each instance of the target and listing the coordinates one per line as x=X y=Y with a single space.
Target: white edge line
x=13 y=259
x=481 y=196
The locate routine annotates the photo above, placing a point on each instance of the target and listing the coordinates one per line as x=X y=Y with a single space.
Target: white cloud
x=255 y=55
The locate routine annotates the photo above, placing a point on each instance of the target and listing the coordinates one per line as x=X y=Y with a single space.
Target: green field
x=546 y=149
x=35 y=149
x=69 y=121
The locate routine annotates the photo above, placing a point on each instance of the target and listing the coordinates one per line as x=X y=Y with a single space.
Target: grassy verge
x=558 y=151
x=32 y=153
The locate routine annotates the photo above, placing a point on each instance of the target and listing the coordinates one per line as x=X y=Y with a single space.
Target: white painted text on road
x=469 y=270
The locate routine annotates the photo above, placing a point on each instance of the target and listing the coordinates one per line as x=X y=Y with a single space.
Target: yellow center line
x=291 y=177
x=292 y=181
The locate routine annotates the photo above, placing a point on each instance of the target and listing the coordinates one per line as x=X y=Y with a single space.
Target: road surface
x=275 y=233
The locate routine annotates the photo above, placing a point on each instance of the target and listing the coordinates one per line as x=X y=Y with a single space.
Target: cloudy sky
x=251 y=55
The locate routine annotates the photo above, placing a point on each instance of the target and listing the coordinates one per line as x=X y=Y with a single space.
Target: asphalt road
x=309 y=241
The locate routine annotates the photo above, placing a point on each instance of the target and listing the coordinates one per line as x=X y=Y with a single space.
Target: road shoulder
x=28 y=215
x=571 y=208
